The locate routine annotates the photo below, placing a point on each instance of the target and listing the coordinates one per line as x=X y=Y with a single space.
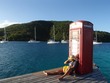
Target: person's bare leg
x=69 y=70
x=60 y=71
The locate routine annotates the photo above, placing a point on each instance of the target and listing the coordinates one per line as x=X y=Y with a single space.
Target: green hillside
x=44 y=30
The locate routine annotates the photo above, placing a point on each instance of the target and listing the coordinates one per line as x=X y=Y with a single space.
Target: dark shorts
x=75 y=67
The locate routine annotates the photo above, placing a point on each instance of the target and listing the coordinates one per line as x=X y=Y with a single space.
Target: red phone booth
x=81 y=44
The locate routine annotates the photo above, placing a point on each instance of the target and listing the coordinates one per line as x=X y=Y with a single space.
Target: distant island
x=25 y=31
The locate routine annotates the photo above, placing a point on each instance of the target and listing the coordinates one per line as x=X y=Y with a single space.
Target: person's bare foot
x=45 y=73
x=74 y=76
x=60 y=78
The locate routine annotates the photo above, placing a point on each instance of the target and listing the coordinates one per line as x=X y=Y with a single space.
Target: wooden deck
x=39 y=77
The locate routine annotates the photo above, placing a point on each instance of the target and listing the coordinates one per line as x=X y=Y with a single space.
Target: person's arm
x=67 y=61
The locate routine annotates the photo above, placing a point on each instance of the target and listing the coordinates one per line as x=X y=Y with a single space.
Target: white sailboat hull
x=94 y=42
x=52 y=42
x=33 y=41
x=3 y=41
x=64 y=41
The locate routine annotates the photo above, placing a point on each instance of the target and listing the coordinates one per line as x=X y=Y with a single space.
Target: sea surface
x=18 y=58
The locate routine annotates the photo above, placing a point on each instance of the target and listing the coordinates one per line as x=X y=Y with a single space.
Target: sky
x=23 y=11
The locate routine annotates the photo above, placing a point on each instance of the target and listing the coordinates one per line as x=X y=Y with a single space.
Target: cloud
x=6 y=23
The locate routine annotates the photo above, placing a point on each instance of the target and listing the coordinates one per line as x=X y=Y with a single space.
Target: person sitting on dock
x=66 y=70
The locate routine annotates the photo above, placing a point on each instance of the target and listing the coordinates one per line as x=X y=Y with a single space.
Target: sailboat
x=96 y=41
x=52 y=41
x=5 y=37
x=64 y=41
x=34 y=41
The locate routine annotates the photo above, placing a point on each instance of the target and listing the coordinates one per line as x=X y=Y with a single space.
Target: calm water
x=17 y=58
x=102 y=58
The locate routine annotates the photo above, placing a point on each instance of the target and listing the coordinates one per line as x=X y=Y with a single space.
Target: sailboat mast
x=63 y=36
x=35 y=33
x=96 y=35
x=4 y=34
x=54 y=32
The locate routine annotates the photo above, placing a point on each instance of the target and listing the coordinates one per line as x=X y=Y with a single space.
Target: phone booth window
x=75 y=42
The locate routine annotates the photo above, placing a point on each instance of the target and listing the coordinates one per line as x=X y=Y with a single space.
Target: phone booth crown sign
x=81 y=44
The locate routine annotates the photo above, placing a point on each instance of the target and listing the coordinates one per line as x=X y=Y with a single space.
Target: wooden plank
x=39 y=77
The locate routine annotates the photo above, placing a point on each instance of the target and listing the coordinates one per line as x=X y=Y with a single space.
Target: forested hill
x=25 y=31
x=44 y=30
